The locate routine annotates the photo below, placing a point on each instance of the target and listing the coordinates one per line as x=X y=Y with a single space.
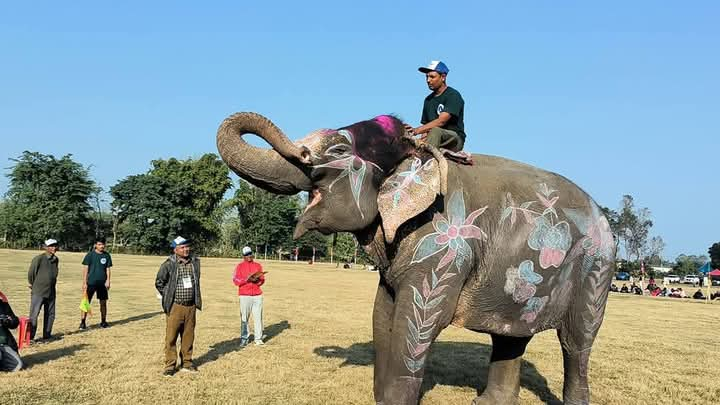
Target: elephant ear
x=410 y=190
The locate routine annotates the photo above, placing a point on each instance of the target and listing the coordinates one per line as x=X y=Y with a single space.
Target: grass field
x=319 y=347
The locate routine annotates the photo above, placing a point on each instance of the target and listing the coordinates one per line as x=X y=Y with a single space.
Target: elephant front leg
x=423 y=307
x=503 y=383
x=382 y=328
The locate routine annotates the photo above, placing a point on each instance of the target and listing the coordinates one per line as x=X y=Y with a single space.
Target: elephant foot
x=577 y=397
x=402 y=390
x=496 y=398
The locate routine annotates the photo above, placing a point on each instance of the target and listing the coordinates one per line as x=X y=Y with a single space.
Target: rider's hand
x=409 y=129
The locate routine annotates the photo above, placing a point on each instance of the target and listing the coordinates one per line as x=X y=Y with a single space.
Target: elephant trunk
x=279 y=170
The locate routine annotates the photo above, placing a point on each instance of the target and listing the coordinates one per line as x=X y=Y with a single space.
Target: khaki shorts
x=445 y=138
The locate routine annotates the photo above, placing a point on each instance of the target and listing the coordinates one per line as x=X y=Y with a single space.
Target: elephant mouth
x=305 y=225
x=316 y=198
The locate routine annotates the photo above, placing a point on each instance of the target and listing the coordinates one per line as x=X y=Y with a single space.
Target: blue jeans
x=9 y=359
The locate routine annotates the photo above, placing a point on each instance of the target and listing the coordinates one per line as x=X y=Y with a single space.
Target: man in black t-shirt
x=443 y=111
x=96 y=279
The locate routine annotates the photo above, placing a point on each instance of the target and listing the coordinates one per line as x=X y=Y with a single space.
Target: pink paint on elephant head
x=386 y=122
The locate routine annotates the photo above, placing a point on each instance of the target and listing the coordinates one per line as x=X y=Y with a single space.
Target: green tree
x=653 y=251
x=176 y=197
x=199 y=186
x=147 y=212
x=230 y=234
x=49 y=197
x=345 y=247
x=4 y=223
x=313 y=239
x=266 y=220
x=633 y=227
x=613 y=220
x=714 y=253
x=685 y=264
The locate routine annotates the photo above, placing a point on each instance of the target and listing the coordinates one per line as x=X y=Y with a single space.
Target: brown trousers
x=180 y=321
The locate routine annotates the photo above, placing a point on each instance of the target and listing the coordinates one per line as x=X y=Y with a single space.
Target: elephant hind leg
x=503 y=383
x=575 y=364
x=577 y=334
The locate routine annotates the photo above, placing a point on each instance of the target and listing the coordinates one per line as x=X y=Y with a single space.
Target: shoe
x=104 y=324
x=168 y=373
x=259 y=342
x=82 y=325
x=243 y=342
x=189 y=369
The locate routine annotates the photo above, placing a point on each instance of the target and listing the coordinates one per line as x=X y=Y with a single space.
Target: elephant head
x=352 y=173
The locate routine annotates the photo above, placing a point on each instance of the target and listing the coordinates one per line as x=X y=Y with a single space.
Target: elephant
x=498 y=247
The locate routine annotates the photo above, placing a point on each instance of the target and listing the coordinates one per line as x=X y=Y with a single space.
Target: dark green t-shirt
x=451 y=102
x=97 y=264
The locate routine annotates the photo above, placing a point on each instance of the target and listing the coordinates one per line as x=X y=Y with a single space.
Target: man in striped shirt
x=178 y=281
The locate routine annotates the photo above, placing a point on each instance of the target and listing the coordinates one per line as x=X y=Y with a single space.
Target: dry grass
x=319 y=350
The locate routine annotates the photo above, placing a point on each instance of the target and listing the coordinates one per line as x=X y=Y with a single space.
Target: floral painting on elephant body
x=451 y=235
x=551 y=237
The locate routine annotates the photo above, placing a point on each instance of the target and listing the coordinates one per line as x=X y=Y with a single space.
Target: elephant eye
x=338 y=151
x=317 y=174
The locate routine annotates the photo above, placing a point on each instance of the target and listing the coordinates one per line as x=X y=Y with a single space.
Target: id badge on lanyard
x=187 y=282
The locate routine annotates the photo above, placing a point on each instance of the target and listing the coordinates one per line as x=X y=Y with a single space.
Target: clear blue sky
x=621 y=97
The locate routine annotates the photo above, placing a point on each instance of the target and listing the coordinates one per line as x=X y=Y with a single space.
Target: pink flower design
x=450 y=233
x=551 y=257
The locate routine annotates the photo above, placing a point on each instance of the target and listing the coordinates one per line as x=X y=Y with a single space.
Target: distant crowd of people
x=655 y=290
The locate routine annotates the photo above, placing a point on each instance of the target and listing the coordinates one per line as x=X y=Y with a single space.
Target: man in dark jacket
x=178 y=281
x=42 y=278
x=9 y=357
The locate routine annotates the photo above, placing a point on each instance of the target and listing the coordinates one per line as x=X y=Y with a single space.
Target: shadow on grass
x=43 y=357
x=459 y=364
x=120 y=322
x=233 y=345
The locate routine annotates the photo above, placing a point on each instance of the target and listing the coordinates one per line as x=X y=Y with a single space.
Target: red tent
x=715 y=272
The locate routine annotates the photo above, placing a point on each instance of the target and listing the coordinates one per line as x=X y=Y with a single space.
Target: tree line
x=56 y=197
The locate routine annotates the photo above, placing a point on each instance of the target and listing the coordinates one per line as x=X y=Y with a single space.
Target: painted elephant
x=498 y=247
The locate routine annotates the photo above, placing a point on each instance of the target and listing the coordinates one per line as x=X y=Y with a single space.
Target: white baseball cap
x=246 y=251
x=435 y=65
x=179 y=241
x=51 y=242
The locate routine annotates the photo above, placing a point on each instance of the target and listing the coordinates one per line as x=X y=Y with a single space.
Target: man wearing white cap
x=443 y=112
x=178 y=281
x=42 y=279
x=249 y=276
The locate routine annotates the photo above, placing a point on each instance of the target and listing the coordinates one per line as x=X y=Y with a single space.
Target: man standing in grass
x=178 y=281
x=42 y=279
x=96 y=279
x=249 y=277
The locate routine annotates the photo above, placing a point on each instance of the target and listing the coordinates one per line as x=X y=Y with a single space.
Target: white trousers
x=251 y=304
